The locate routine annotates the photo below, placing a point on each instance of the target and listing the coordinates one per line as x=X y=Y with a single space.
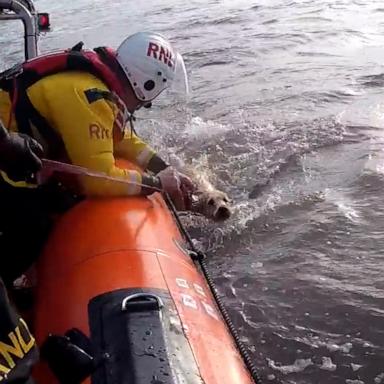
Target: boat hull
x=130 y=245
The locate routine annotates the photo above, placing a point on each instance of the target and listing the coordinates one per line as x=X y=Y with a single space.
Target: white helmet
x=151 y=64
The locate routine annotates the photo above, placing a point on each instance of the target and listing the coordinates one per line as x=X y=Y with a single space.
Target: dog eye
x=211 y=202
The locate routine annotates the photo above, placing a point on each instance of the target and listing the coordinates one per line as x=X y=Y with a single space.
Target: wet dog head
x=214 y=205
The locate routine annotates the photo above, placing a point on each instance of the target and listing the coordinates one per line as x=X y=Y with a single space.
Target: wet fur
x=207 y=200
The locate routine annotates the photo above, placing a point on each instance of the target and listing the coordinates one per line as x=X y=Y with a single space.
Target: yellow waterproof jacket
x=70 y=103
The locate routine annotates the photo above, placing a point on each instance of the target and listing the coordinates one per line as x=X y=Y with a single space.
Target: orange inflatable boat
x=120 y=300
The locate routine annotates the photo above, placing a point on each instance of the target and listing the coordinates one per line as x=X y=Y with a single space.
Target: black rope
x=199 y=257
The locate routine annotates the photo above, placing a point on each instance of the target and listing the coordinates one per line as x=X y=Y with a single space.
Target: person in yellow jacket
x=78 y=115
x=81 y=116
x=85 y=113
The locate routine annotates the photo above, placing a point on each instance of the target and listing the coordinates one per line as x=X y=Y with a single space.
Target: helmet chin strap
x=131 y=119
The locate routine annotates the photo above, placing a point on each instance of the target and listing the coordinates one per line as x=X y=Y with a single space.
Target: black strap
x=95 y=94
x=102 y=52
x=78 y=47
x=76 y=61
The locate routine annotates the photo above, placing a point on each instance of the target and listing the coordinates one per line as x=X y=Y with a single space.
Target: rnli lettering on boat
x=158 y=52
x=14 y=348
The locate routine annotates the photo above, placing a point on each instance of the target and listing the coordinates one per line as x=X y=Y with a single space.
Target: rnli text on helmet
x=161 y=53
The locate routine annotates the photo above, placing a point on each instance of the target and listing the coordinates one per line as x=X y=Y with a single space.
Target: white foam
x=345 y=348
x=245 y=212
x=349 y=381
x=201 y=128
x=344 y=204
x=271 y=377
x=379 y=378
x=352 y=92
x=355 y=367
x=298 y=366
x=328 y=365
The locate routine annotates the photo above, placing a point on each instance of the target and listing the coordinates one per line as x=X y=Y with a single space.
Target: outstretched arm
x=88 y=139
x=140 y=153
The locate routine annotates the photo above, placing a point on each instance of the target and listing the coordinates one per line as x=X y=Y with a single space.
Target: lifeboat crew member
x=19 y=157
x=74 y=106
x=78 y=105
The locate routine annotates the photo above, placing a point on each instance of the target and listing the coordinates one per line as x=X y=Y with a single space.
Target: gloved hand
x=179 y=187
x=19 y=155
x=188 y=187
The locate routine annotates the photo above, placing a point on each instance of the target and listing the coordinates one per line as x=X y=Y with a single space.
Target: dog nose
x=222 y=213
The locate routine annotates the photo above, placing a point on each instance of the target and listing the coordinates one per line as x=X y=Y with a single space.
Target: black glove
x=19 y=155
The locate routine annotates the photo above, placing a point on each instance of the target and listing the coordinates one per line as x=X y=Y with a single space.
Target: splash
x=328 y=365
x=198 y=128
x=298 y=366
x=344 y=204
x=355 y=367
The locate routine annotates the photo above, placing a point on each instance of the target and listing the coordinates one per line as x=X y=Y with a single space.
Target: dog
x=208 y=200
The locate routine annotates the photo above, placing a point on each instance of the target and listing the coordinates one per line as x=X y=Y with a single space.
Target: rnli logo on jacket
x=120 y=117
x=14 y=348
x=98 y=133
x=160 y=53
